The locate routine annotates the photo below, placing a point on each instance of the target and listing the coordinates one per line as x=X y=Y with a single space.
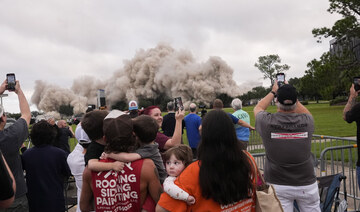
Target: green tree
x=255 y=93
x=66 y=110
x=348 y=25
x=270 y=65
x=345 y=47
x=120 y=105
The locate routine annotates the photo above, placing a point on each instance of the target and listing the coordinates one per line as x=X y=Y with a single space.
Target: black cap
x=287 y=94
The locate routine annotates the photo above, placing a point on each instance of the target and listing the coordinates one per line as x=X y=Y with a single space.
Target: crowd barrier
x=332 y=155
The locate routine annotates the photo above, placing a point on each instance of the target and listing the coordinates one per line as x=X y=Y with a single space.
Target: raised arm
x=300 y=108
x=351 y=101
x=176 y=138
x=264 y=103
x=24 y=105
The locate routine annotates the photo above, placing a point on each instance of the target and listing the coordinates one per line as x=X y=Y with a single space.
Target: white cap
x=81 y=135
x=114 y=114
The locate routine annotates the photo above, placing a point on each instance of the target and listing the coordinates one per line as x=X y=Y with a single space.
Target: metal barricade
x=342 y=159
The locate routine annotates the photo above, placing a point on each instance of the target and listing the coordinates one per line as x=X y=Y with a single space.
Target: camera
x=280 y=79
x=357 y=83
x=11 y=81
x=178 y=103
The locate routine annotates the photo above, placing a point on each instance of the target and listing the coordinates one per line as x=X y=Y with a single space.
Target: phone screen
x=178 y=103
x=11 y=81
x=281 y=78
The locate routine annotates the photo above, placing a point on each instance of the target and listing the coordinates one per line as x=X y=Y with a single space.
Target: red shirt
x=118 y=191
x=161 y=140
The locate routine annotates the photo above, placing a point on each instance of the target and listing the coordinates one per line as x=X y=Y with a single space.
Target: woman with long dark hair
x=222 y=179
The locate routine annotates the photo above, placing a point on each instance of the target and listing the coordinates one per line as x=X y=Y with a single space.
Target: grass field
x=328 y=120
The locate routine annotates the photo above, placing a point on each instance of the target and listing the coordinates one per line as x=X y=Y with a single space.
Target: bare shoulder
x=148 y=169
x=148 y=164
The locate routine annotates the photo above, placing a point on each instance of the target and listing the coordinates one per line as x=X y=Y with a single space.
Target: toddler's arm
x=96 y=165
x=177 y=193
x=122 y=156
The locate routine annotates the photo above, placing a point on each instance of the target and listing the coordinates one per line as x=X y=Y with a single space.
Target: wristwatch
x=273 y=93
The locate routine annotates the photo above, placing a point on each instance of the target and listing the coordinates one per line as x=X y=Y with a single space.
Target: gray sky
x=58 y=41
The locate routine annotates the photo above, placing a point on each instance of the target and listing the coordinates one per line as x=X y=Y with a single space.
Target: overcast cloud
x=59 y=41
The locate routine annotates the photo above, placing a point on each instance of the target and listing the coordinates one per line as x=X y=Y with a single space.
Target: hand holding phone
x=280 y=77
x=11 y=81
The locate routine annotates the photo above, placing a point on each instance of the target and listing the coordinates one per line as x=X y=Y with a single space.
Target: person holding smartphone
x=351 y=113
x=164 y=141
x=11 y=139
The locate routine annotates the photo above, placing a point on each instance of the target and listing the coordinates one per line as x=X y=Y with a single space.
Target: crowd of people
x=135 y=160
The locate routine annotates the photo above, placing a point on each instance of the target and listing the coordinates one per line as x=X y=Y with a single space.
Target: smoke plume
x=150 y=73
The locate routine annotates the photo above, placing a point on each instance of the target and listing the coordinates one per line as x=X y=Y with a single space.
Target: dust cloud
x=149 y=74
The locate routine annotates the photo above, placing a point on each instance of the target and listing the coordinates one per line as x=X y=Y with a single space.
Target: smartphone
x=178 y=103
x=11 y=81
x=280 y=79
x=357 y=83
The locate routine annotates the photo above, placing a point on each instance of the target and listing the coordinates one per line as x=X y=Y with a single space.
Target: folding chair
x=329 y=190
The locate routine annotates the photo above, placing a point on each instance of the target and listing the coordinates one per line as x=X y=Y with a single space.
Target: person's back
x=46 y=169
x=287 y=138
x=192 y=124
x=242 y=133
x=120 y=190
x=168 y=125
x=125 y=190
x=65 y=132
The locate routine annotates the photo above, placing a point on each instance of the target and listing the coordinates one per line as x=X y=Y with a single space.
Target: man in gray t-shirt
x=11 y=140
x=287 y=137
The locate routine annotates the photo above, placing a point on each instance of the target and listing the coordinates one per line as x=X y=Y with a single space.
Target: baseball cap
x=114 y=114
x=1 y=110
x=81 y=135
x=118 y=127
x=287 y=94
x=133 y=105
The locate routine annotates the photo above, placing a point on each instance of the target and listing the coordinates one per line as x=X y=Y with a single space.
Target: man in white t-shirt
x=76 y=160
